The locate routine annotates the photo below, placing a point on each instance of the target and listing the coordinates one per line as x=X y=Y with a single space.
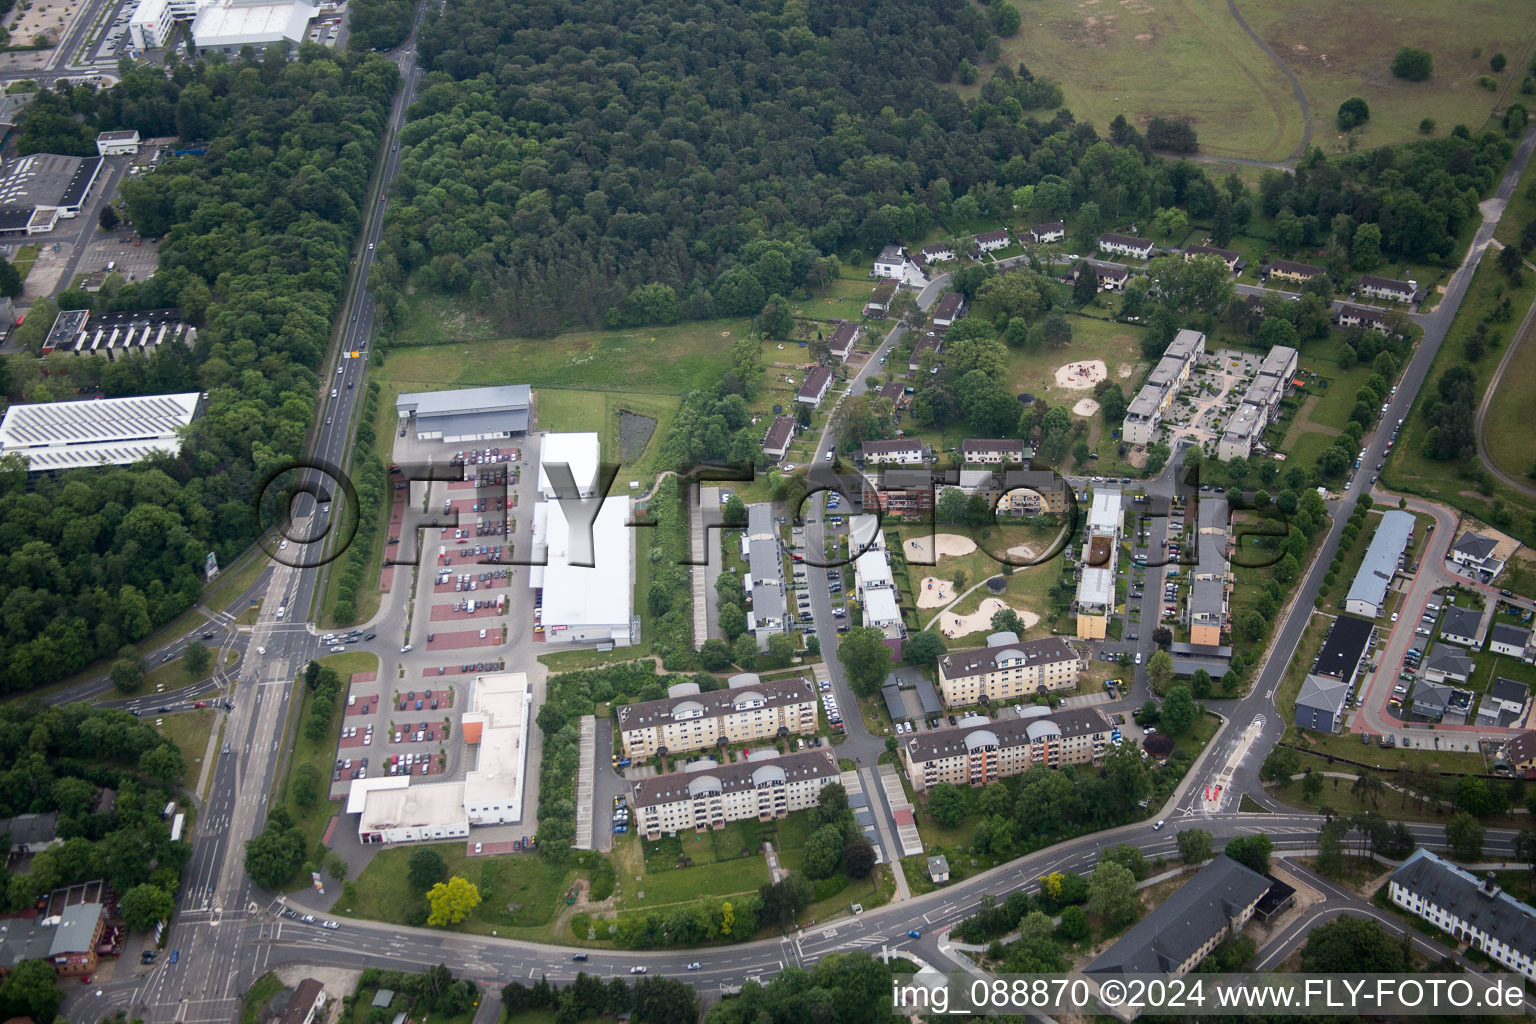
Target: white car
x=333 y=925
x=637 y=970
x=337 y=648
x=261 y=650
x=282 y=610
x=404 y=650
x=1138 y=657
x=1159 y=826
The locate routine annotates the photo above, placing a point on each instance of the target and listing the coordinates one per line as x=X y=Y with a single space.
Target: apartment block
x=709 y=795
x=748 y=709
x=1008 y=671
x=978 y=750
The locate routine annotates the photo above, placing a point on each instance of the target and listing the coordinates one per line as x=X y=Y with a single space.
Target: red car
x=199 y=704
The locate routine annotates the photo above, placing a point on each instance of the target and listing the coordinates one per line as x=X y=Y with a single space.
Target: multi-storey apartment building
x=978 y=750
x=748 y=709
x=1151 y=403
x=1478 y=913
x=1007 y=671
x=708 y=795
x=1101 y=550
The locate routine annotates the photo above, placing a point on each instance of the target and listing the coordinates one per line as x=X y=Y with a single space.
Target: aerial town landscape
x=750 y=513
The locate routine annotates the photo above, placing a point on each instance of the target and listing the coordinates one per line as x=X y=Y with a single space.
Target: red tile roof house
x=815 y=387
x=780 y=433
x=843 y=339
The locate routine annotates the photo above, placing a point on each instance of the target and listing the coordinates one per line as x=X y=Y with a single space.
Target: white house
x=1478 y=913
x=892 y=262
x=992 y=240
x=843 y=339
x=950 y=308
x=780 y=433
x=815 y=387
x=1126 y=245
x=1388 y=290
x=1475 y=552
x=1359 y=316
x=1504 y=638
x=1042 y=234
x=939 y=252
x=118 y=143
x=1460 y=626
x=897 y=452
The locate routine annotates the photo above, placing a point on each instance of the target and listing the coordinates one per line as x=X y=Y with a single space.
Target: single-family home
x=992 y=451
x=1387 y=290
x=1126 y=245
x=1293 y=272
x=1474 y=552
x=1231 y=257
x=1520 y=754
x=895 y=391
x=1320 y=704
x=1111 y=277
x=896 y=452
x=939 y=252
x=892 y=263
x=991 y=241
x=1459 y=626
x=1503 y=704
x=1446 y=663
x=1431 y=699
x=1359 y=316
x=1472 y=911
x=815 y=387
x=950 y=308
x=932 y=341
x=1043 y=234
x=780 y=433
x=1505 y=638
x=880 y=299
x=843 y=339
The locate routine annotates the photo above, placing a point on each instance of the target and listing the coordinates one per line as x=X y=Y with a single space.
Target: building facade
x=1477 y=913
x=748 y=710
x=1007 y=672
x=1126 y=245
x=979 y=750
x=707 y=795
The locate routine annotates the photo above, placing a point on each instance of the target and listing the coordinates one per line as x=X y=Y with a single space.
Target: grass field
x=25 y=257
x=1511 y=411
x=258 y=996
x=1521 y=209
x=1341 y=50
x=1174 y=58
x=189 y=731
x=1409 y=469
x=519 y=895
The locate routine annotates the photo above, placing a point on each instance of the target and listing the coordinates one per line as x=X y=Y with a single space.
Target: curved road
x=1301 y=97
x=1522 y=336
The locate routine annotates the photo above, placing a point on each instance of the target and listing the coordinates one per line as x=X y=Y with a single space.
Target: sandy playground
x=952 y=625
x=1085 y=407
x=950 y=545
x=1023 y=551
x=935 y=593
x=1081 y=376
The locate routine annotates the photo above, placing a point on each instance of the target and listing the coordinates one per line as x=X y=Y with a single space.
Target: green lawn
x=357 y=1011
x=258 y=996
x=1511 y=410
x=1521 y=209
x=189 y=731
x=432 y=317
x=520 y=894
x=649 y=876
x=25 y=257
x=1409 y=469
x=232 y=583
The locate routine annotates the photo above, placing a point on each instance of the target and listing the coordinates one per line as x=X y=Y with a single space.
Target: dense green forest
x=259 y=233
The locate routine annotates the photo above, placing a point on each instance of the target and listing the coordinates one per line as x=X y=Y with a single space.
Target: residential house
x=709 y=795
x=991 y=241
x=880 y=299
x=1368 y=591
x=896 y=392
x=1474 y=552
x=781 y=432
x=1231 y=257
x=1111 y=277
x=979 y=750
x=1359 y=316
x=843 y=339
x=1460 y=626
x=1183 y=930
x=1320 y=704
x=1520 y=754
x=32 y=833
x=1385 y=289
x=1260 y=404
x=1152 y=402
x=904 y=493
x=931 y=341
x=1504 y=703
x=1043 y=234
x=892 y=263
x=1292 y=272
x=1476 y=913
x=304 y=1003
x=1101 y=546
x=1242 y=431
x=1344 y=648
x=1032 y=492
x=875 y=586
x=1007 y=672
x=1446 y=663
x=1126 y=245
x=950 y=308
x=1505 y=638
x=747 y=710
x=992 y=451
x=895 y=452
x=768 y=613
x=939 y=252
x=815 y=387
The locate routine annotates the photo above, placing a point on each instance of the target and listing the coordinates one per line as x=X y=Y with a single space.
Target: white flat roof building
x=229 y=26
x=584 y=603
x=108 y=431
x=391 y=810
x=124 y=143
x=581 y=452
x=496 y=722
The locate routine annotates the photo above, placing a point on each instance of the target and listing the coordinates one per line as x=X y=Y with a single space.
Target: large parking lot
x=398 y=731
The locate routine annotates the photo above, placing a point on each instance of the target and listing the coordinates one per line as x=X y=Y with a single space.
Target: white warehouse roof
x=597 y=594
x=236 y=24
x=110 y=431
x=579 y=451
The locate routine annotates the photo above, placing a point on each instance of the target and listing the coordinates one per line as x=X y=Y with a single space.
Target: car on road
x=580 y=958
x=638 y=969
x=1159 y=825
x=175 y=956
x=337 y=648
x=308 y=919
x=695 y=966
x=332 y=925
x=406 y=649
x=914 y=934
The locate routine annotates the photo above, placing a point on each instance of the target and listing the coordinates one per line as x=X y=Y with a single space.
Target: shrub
x=1412 y=64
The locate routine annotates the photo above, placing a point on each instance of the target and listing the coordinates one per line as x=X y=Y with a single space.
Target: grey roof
x=503 y=408
x=938 y=865
x=1210 y=250
x=843 y=338
x=47 y=179
x=1450 y=660
x=22 y=938
x=1431 y=698
x=1509 y=689
x=764 y=563
x=779 y=433
x=893 y=704
x=1386 y=284
x=981 y=660
x=1460 y=622
x=31 y=829
x=383 y=997
x=1144 y=405
x=1475 y=545
x=928 y=696
x=1208 y=589
x=892 y=253
x=1320 y=702
x=116 y=431
x=77 y=929
x=1185 y=921
x=1343 y=648
x=773 y=693
x=1128 y=240
x=1457 y=891
x=119 y=136
x=949 y=306
x=1279 y=362
x=1380 y=562
x=992 y=446
x=1006 y=732
x=706 y=777
x=816 y=383
x=1504 y=633
x=1292 y=267
x=1364 y=314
